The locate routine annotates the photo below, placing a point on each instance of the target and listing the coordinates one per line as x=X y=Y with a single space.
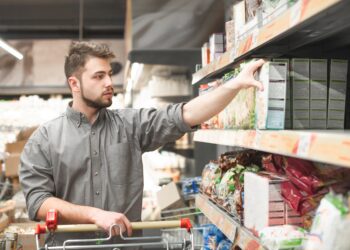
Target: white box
x=169 y=197
x=318 y=93
x=337 y=93
x=239 y=18
x=230 y=34
x=300 y=82
x=259 y=209
x=271 y=103
x=288 y=113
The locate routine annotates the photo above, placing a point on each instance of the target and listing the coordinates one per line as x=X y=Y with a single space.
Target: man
x=87 y=162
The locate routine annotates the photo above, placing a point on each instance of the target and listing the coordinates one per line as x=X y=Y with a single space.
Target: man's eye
x=99 y=76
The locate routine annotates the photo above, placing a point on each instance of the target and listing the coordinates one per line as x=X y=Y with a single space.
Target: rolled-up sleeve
x=158 y=127
x=36 y=172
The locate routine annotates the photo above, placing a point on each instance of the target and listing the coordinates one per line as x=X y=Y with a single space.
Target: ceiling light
x=11 y=50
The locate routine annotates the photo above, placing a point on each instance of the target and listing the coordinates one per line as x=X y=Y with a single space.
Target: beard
x=97 y=103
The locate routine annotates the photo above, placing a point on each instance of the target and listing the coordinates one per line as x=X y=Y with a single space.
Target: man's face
x=96 y=83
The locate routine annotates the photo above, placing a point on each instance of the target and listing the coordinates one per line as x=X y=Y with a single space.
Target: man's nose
x=108 y=81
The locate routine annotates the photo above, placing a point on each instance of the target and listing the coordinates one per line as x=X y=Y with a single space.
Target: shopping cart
x=152 y=241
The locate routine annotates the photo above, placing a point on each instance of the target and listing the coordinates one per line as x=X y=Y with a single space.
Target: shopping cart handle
x=51 y=225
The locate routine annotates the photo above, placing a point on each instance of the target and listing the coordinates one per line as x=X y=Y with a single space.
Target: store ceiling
x=35 y=19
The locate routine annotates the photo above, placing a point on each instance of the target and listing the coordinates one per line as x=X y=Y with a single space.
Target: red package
x=302 y=174
x=268 y=164
x=291 y=195
x=279 y=162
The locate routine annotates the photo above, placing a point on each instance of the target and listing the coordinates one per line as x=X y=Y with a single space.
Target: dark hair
x=80 y=52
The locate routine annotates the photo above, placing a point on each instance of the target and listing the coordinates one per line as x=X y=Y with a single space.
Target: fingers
x=258 y=85
x=127 y=225
x=257 y=64
x=124 y=225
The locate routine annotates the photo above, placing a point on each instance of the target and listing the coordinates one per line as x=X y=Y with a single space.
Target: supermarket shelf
x=327 y=146
x=228 y=225
x=306 y=22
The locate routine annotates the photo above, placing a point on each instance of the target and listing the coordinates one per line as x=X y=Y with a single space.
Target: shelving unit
x=306 y=22
x=310 y=28
x=228 y=225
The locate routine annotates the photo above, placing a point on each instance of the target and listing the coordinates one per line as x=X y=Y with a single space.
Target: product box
x=26 y=234
x=337 y=93
x=271 y=103
x=15 y=147
x=288 y=111
x=240 y=112
x=230 y=34
x=205 y=54
x=12 y=163
x=300 y=83
x=267 y=208
x=239 y=18
x=169 y=197
x=318 y=93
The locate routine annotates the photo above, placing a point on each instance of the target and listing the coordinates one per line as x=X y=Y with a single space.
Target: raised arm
x=202 y=108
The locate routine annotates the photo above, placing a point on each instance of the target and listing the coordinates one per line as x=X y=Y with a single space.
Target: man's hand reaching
x=245 y=78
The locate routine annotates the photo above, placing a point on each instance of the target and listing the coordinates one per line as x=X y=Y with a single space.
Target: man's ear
x=74 y=83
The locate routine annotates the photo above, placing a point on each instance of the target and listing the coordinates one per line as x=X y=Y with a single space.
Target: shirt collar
x=78 y=118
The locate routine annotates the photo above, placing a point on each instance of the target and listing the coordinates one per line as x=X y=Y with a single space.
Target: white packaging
x=205 y=54
x=259 y=209
x=270 y=104
x=300 y=82
x=337 y=93
x=230 y=34
x=288 y=112
x=239 y=18
x=318 y=93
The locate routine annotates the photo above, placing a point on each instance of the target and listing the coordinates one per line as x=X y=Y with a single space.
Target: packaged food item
x=270 y=104
x=240 y=112
x=282 y=237
x=272 y=163
x=191 y=185
x=210 y=175
x=303 y=174
x=331 y=225
x=224 y=245
x=212 y=236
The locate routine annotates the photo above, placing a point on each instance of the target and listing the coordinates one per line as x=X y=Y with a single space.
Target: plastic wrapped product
x=210 y=175
x=282 y=237
x=331 y=225
x=224 y=245
x=303 y=174
x=211 y=237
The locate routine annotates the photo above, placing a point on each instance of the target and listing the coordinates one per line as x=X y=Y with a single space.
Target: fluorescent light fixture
x=11 y=50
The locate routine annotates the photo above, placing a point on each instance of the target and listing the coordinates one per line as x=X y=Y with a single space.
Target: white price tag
x=304 y=145
x=295 y=14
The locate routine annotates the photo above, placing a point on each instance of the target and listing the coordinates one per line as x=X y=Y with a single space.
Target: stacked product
x=337 y=93
x=300 y=80
x=216 y=46
x=214 y=239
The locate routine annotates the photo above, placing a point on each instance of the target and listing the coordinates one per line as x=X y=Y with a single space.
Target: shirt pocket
x=122 y=164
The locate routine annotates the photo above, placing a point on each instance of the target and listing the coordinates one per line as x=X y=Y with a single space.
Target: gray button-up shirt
x=97 y=165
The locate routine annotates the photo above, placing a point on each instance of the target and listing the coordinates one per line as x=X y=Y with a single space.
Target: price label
x=304 y=145
x=295 y=14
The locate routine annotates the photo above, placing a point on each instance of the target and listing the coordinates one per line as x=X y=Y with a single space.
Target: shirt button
x=95 y=152
x=96 y=173
x=93 y=132
x=97 y=193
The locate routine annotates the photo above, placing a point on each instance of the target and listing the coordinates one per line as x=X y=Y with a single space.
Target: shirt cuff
x=35 y=202
x=179 y=120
